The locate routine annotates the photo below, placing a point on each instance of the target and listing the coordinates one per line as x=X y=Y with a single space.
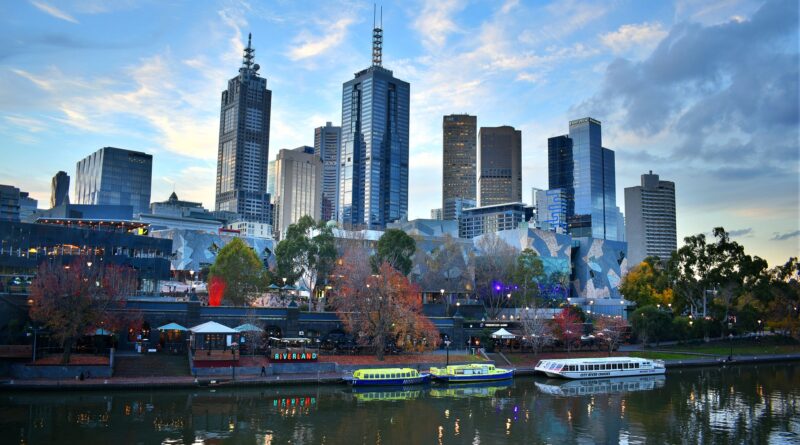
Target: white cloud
x=435 y=22
x=53 y=11
x=309 y=46
x=641 y=37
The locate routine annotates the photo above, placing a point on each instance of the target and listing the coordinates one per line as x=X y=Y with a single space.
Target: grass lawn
x=654 y=355
x=757 y=346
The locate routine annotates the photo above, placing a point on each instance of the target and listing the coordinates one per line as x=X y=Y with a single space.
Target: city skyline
x=732 y=156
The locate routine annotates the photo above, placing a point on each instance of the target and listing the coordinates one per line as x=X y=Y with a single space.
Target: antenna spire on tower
x=377 y=39
x=247 y=62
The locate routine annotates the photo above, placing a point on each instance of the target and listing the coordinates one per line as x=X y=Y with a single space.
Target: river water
x=740 y=404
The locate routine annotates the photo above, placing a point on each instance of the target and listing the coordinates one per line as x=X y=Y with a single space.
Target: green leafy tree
x=651 y=324
x=396 y=248
x=238 y=266
x=528 y=273
x=306 y=254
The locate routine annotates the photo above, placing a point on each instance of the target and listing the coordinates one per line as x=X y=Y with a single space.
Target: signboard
x=294 y=356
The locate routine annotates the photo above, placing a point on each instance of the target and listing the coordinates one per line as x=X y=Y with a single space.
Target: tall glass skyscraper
x=373 y=159
x=326 y=145
x=459 y=151
x=115 y=176
x=584 y=169
x=499 y=165
x=244 y=144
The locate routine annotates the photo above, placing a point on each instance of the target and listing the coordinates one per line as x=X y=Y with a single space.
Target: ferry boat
x=611 y=385
x=588 y=368
x=473 y=372
x=387 y=376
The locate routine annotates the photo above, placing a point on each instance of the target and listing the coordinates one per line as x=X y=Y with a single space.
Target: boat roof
x=596 y=360
x=385 y=369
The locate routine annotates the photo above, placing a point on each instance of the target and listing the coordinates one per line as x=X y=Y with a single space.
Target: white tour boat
x=588 y=368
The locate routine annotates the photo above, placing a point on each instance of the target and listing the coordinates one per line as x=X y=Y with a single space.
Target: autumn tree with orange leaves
x=380 y=307
x=76 y=299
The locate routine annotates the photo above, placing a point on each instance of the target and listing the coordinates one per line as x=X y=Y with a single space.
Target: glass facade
x=326 y=145
x=584 y=169
x=499 y=165
x=373 y=160
x=244 y=145
x=114 y=176
x=459 y=134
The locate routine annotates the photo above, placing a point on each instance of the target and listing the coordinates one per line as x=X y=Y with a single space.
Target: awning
x=248 y=327
x=212 y=327
x=502 y=333
x=172 y=327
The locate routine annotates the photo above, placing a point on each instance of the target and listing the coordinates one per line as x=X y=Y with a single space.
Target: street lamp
x=730 y=338
x=759 y=326
x=447 y=347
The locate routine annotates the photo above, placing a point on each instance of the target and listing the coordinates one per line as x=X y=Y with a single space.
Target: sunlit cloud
x=309 y=46
x=53 y=11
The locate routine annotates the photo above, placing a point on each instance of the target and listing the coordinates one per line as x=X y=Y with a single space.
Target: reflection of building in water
x=600 y=386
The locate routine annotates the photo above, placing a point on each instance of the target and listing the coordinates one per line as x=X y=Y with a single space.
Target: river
x=739 y=404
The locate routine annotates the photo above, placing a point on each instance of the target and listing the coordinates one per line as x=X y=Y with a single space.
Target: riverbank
x=308 y=379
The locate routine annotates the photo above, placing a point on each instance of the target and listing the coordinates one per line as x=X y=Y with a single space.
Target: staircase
x=498 y=358
x=152 y=365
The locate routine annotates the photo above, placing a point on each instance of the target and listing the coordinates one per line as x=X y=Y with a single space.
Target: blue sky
x=704 y=93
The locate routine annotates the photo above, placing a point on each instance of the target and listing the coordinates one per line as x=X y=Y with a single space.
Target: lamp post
x=446 y=307
x=730 y=338
x=759 y=327
x=447 y=347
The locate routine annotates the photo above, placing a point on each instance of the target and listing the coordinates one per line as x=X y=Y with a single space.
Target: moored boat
x=473 y=372
x=387 y=376
x=588 y=368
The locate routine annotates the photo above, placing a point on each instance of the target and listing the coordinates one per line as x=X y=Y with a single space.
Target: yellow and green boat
x=387 y=376
x=473 y=372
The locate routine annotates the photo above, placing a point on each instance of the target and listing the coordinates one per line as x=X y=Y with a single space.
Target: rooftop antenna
x=377 y=38
x=248 y=53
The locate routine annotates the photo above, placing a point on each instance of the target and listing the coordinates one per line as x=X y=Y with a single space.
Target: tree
x=647 y=284
x=380 y=307
x=613 y=331
x=75 y=299
x=396 y=248
x=567 y=327
x=536 y=329
x=306 y=254
x=528 y=273
x=449 y=267
x=782 y=302
x=237 y=266
x=651 y=323
x=494 y=266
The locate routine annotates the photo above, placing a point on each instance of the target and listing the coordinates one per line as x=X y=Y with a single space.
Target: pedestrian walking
x=263 y=371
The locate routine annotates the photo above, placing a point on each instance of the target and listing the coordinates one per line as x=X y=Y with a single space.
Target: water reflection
x=745 y=404
x=600 y=386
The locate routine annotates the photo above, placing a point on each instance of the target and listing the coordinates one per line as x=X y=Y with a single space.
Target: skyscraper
x=244 y=144
x=59 y=189
x=584 y=169
x=298 y=187
x=499 y=165
x=650 y=219
x=114 y=176
x=459 y=153
x=326 y=146
x=373 y=160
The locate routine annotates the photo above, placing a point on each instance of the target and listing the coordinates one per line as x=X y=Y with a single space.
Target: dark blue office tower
x=373 y=159
x=580 y=165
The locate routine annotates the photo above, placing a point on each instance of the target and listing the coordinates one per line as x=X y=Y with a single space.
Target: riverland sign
x=283 y=357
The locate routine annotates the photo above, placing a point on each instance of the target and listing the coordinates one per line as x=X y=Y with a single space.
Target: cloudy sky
x=704 y=93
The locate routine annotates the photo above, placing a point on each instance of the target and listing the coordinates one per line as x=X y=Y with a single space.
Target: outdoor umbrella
x=172 y=327
x=502 y=333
